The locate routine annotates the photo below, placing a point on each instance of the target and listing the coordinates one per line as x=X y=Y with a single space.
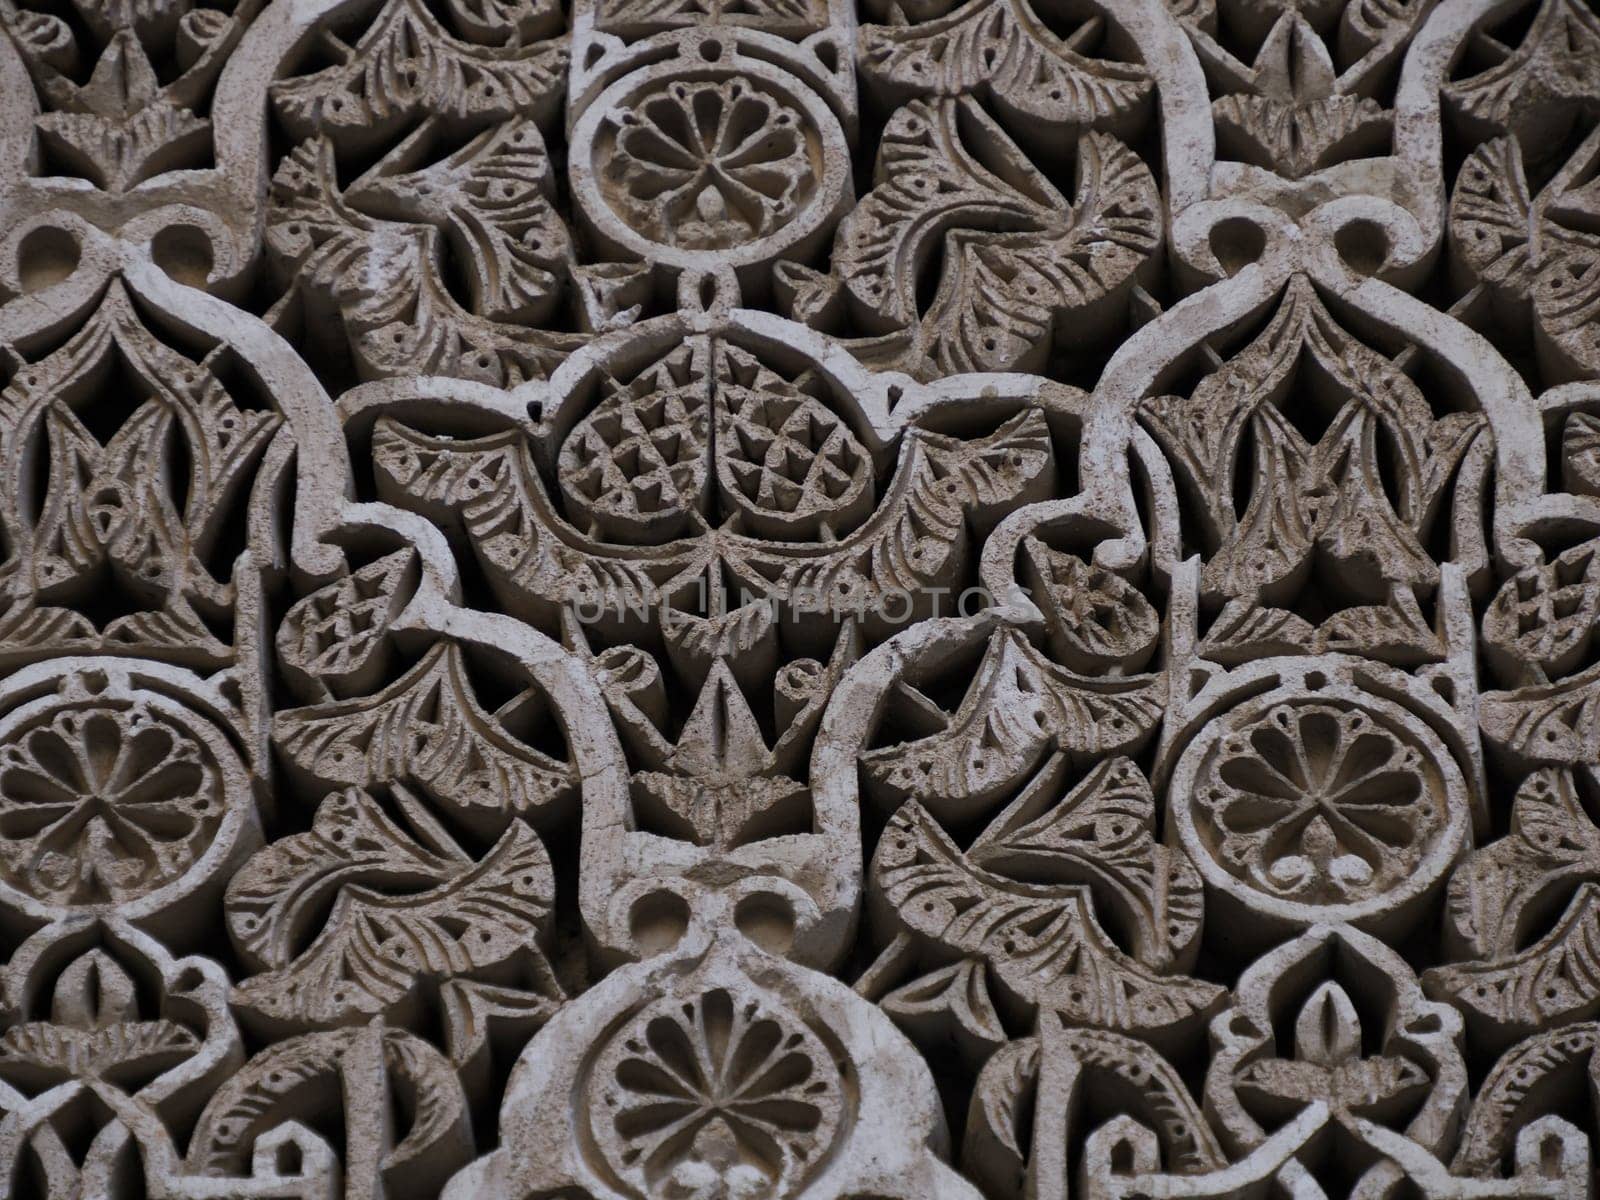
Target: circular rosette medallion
x=709 y=159
x=113 y=797
x=1319 y=807
x=719 y=1094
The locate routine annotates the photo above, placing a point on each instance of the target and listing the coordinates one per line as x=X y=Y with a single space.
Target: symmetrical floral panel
x=799 y=600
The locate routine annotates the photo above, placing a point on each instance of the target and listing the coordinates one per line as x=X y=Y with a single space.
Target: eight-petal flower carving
x=1319 y=803
x=103 y=804
x=708 y=165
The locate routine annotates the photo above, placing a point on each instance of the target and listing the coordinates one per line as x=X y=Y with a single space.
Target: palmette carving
x=1257 y=1076
x=1536 y=251
x=486 y=61
x=1020 y=266
x=461 y=919
x=1517 y=977
x=428 y=727
x=488 y=203
x=1005 y=53
x=141 y=507
x=993 y=741
x=1043 y=943
x=1359 y=498
x=1537 y=85
x=1030 y=902
x=749 y=484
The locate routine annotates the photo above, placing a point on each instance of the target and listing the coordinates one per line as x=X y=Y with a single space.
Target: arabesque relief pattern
x=799 y=600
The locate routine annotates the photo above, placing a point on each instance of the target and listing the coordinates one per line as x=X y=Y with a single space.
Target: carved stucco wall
x=752 y=599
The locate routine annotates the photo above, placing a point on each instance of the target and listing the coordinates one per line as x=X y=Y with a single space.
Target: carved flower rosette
x=1320 y=792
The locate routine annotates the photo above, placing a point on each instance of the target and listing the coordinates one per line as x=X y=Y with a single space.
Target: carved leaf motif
x=1359 y=526
x=337 y=636
x=1395 y=632
x=949 y=1003
x=721 y=786
x=492 y=200
x=1549 y=724
x=115 y=508
x=1004 y=50
x=427 y=727
x=992 y=475
x=1557 y=978
x=400 y=913
x=1043 y=942
x=1545 y=616
x=1541 y=251
x=487 y=203
x=1019 y=706
x=1101 y=834
x=1496 y=901
x=1244 y=630
x=1580 y=454
x=997 y=1120
x=534 y=559
x=406 y=65
x=1552 y=838
x=1553 y=69
x=44 y=1051
x=1299 y=114
x=1018 y=262
x=1491 y=215
x=1096 y=619
x=1266 y=546
x=440 y=477
x=637 y=18
x=1332 y=496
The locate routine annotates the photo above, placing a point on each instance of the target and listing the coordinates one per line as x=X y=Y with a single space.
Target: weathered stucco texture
x=799 y=599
